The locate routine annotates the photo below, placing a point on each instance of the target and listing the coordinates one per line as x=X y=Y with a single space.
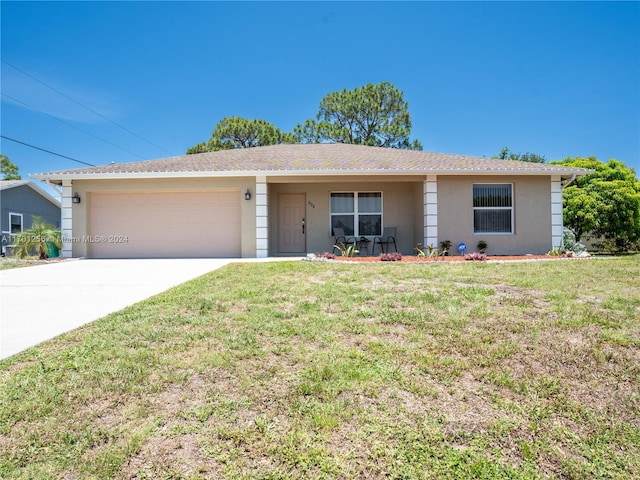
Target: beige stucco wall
x=402 y=205
x=85 y=188
x=532 y=214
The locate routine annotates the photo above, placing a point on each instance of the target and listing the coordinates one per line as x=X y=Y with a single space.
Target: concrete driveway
x=41 y=302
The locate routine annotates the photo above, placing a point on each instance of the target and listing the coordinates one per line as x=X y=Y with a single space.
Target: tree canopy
x=239 y=132
x=8 y=169
x=605 y=204
x=506 y=154
x=374 y=115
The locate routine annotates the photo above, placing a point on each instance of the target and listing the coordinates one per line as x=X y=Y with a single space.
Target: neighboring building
x=20 y=200
x=286 y=199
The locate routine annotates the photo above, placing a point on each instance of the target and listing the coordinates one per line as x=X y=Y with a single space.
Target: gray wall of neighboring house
x=26 y=201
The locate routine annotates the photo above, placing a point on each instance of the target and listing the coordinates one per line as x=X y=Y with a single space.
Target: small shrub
x=556 y=252
x=391 y=257
x=475 y=257
x=432 y=251
x=36 y=239
x=346 y=250
x=570 y=243
x=445 y=246
x=482 y=246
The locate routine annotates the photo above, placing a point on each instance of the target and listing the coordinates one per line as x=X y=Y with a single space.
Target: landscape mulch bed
x=31 y=261
x=457 y=258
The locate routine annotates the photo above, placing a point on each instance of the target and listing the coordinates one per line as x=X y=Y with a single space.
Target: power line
x=84 y=106
x=71 y=125
x=45 y=150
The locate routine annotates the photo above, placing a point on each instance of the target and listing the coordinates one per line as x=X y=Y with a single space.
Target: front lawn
x=331 y=370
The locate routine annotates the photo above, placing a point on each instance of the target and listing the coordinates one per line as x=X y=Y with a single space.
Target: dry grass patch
x=329 y=370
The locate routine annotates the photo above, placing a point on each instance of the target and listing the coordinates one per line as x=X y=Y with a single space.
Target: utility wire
x=44 y=150
x=84 y=106
x=70 y=125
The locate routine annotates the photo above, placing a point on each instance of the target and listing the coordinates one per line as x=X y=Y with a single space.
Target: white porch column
x=262 y=218
x=66 y=222
x=556 y=212
x=430 y=193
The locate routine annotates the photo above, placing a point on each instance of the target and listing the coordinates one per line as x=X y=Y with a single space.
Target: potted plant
x=482 y=246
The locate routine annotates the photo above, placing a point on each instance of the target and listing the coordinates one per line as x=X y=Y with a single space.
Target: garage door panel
x=167 y=224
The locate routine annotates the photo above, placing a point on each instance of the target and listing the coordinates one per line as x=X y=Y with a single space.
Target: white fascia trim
x=296 y=173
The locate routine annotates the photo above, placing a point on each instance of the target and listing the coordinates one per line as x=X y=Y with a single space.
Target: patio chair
x=387 y=238
x=340 y=237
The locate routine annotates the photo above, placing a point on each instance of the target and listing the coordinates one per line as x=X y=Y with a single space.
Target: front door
x=291 y=229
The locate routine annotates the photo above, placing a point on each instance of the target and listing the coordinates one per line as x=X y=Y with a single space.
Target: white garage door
x=165 y=224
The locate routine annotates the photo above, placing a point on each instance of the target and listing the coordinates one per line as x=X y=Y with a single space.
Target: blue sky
x=558 y=79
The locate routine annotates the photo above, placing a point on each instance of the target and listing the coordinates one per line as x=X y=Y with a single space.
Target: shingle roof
x=305 y=159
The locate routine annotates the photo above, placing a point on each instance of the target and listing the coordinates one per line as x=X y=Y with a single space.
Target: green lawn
x=331 y=370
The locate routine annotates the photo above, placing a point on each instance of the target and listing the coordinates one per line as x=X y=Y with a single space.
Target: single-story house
x=20 y=201
x=286 y=199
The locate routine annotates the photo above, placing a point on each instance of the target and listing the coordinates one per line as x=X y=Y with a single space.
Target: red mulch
x=451 y=258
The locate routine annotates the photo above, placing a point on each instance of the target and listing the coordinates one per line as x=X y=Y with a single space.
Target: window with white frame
x=15 y=222
x=492 y=208
x=357 y=213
